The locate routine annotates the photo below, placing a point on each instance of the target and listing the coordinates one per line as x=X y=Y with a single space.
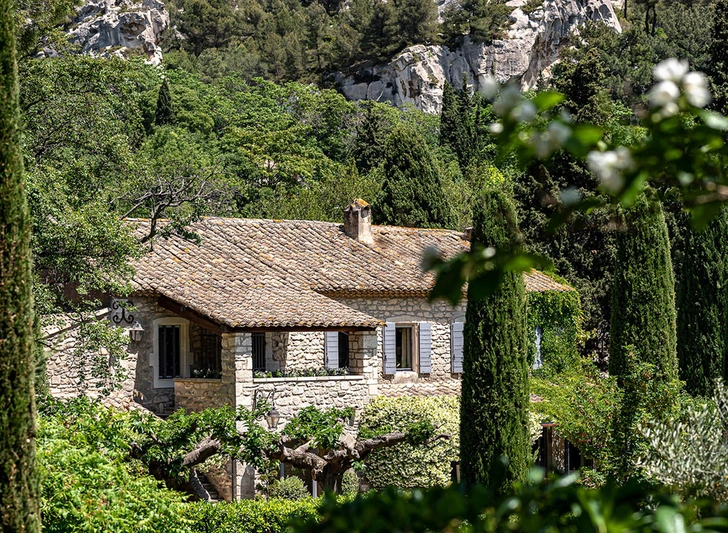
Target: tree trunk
x=18 y=480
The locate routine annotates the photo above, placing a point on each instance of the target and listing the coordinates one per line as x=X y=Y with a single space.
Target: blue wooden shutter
x=425 y=348
x=331 y=359
x=456 y=347
x=390 y=349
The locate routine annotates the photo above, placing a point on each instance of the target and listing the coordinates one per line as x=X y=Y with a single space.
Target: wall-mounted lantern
x=136 y=332
x=272 y=417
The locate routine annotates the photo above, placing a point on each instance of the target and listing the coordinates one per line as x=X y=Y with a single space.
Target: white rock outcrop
x=121 y=27
x=417 y=75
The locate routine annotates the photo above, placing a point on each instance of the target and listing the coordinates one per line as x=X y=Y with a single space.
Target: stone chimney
x=358 y=221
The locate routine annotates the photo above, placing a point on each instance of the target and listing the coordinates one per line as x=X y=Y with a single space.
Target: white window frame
x=184 y=347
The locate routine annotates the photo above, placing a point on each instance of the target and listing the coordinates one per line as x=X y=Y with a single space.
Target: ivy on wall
x=557 y=316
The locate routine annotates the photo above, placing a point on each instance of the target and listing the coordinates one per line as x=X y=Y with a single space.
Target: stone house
x=316 y=313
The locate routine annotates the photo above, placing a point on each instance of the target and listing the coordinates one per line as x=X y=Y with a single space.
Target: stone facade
x=440 y=315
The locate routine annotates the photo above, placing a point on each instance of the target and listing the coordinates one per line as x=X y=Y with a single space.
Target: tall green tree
x=642 y=351
x=494 y=404
x=164 y=115
x=455 y=122
x=702 y=298
x=412 y=193
x=643 y=293
x=19 y=509
x=417 y=21
x=717 y=66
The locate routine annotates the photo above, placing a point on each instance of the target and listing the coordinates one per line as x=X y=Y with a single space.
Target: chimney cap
x=356 y=205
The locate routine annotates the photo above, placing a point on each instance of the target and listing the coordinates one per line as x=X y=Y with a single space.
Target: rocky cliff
x=120 y=27
x=417 y=74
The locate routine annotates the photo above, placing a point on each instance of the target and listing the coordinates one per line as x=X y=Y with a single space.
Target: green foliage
x=558 y=317
x=495 y=369
x=584 y=404
x=88 y=481
x=558 y=505
x=18 y=475
x=410 y=465
x=290 y=488
x=717 y=64
x=702 y=303
x=322 y=427
x=350 y=483
x=482 y=20
x=456 y=128
x=249 y=516
x=643 y=294
x=412 y=192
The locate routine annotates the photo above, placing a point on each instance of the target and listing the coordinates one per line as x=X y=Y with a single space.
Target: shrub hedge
x=250 y=516
x=407 y=466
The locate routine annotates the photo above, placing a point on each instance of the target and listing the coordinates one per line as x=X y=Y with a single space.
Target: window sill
x=199 y=380
x=311 y=378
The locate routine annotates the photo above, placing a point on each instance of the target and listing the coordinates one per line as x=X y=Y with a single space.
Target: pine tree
x=718 y=56
x=643 y=294
x=412 y=192
x=702 y=297
x=19 y=509
x=165 y=110
x=417 y=20
x=494 y=404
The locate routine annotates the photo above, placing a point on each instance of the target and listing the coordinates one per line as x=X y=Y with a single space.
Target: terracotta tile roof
x=278 y=273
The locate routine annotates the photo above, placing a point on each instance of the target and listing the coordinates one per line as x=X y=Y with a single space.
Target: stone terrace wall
x=293 y=394
x=408 y=310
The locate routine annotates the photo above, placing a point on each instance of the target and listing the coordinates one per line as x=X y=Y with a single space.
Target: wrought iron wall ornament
x=124 y=316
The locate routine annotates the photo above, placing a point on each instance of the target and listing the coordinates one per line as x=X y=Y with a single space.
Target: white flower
x=670 y=70
x=570 y=196
x=559 y=132
x=510 y=97
x=609 y=165
x=541 y=143
x=496 y=128
x=664 y=93
x=695 y=87
x=525 y=112
x=489 y=87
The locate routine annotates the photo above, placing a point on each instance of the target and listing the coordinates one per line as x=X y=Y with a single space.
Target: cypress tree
x=19 y=509
x=643 y=294
x=412 y=192
x=717 y=64
x=495 y=394
x=165 y=111
x=455 y=122
x=702 y=297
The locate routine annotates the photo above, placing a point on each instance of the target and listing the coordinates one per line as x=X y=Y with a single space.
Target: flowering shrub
x=306 y=373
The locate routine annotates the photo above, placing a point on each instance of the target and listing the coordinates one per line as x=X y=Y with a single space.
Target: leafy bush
x=249 y=516
x=689 y=453
x=290 y=488
x=562 y=505
x=350 y=484
x=408 y=466
x=89 y=483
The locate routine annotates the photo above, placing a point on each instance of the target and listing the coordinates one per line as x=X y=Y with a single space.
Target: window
x=171 y=348
x=169 y=352
x=258 y=352
x=208 y=362
x=403 y=346
x=343 y=350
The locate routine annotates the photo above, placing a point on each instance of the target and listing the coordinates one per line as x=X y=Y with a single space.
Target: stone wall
x=197 y=394
x=297 y=350
x=440 y=315
x=69 y=370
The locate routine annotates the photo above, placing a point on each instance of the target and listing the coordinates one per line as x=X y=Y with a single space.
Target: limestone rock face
x=121 y=27
x=417 y=75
